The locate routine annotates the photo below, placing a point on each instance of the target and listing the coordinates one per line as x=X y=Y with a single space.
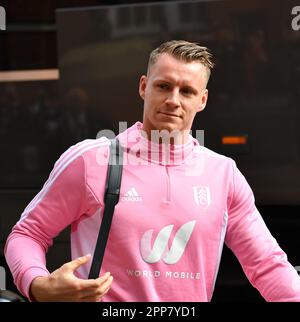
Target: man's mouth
x=169 y=114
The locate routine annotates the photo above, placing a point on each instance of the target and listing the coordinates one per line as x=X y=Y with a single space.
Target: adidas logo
x=132 y=195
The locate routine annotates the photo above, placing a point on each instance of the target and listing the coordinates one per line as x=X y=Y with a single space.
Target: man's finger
x=74 y=264
x=99 y=291
x=106 y=284
x=95 y=283
x=93 y=293
x=93 y=296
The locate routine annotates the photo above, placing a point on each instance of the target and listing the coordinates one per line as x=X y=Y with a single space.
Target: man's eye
x=187 y=91
x=163 y=86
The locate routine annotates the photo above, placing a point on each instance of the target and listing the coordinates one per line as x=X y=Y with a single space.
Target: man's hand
x=63 y=286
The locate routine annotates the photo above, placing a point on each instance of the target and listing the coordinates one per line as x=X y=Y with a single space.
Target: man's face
x=173 y=92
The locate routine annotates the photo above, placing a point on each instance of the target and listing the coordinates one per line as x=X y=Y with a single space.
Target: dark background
x=100 y=53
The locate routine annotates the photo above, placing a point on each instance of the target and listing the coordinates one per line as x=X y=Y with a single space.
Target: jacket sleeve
x=263 y=261
x=60 y=202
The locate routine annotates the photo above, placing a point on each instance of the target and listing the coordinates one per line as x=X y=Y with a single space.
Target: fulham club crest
x=202 y=196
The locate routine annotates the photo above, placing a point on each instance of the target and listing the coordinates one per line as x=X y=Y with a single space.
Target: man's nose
x=173 y=98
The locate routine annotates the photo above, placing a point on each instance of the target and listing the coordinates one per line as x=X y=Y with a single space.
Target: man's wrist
x=29 y=275
x=38 y=288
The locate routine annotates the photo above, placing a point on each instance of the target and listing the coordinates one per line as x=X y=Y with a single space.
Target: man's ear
x=142 y=86
x=203 y=102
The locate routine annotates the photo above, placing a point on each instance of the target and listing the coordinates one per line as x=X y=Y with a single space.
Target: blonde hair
x=184 y=51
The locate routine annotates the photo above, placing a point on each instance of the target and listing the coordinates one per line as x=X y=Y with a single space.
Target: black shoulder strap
x=111 y=198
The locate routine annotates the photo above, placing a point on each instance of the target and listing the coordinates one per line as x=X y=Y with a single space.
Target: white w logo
x=160 y=247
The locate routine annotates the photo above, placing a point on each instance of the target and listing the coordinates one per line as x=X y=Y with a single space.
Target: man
x=179 y=203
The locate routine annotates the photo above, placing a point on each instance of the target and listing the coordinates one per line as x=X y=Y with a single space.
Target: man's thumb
x=77 y=262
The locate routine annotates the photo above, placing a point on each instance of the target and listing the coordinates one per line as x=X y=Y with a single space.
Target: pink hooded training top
x=176 y=210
